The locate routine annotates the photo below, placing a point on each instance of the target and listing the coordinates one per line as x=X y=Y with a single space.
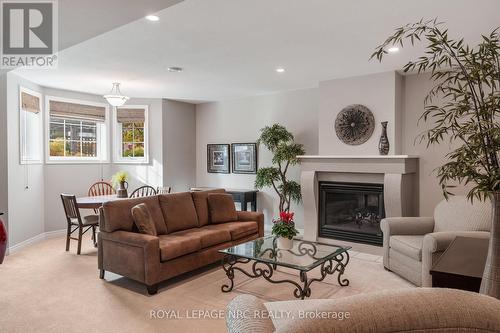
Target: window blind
x=130 y=115
x=77 y=111
x=30 y=103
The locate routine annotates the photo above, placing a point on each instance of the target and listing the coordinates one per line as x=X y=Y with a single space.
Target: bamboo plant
x=463 y=107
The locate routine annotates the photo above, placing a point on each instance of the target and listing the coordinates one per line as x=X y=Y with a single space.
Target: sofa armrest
x=437 y=242
x=130 y=254
x=403 y=226
x=246 y=313
x=407 y=225
x=253 y=216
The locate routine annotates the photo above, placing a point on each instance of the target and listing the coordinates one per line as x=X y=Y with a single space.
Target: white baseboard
x=36 y=239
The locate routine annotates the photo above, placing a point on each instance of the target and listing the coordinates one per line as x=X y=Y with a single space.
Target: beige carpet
x=45 y=289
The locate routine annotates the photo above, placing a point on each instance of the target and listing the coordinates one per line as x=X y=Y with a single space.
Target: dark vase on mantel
x=3 y=239
x=383 y=144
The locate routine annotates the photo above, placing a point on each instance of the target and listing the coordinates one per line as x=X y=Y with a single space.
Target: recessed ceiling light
x=280 y=70
x=152 y=18
x=174 y=69
x=393 y=49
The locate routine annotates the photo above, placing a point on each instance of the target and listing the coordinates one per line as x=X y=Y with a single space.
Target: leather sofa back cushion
x=118 y=214
x=221 y=207
x=143 y=220
x=178 y=211
x=200 y=199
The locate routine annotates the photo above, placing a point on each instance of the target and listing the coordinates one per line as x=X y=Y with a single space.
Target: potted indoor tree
x=280 y=142
x=463 y=107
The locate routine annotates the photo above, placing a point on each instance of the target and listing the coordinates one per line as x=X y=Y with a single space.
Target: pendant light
x=115 y=97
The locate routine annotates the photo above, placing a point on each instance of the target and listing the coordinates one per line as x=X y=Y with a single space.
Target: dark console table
x=239 y=195
x=462 y=264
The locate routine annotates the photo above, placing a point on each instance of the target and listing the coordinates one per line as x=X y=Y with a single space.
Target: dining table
x=94 y=202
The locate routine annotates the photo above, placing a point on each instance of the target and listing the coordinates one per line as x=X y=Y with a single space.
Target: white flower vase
x=284 y=243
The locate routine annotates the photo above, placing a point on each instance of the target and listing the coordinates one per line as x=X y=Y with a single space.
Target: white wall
x=3 y=149
x=25 y=182
x=77 y=178
x=416 y=88
x=378 y=93
x=240 y=121
x=179 y=145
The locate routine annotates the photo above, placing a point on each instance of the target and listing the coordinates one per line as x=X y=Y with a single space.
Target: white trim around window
x=118 y=138
x=102 y=134
x=30 y=130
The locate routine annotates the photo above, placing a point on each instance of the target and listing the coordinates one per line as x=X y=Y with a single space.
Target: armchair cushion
x=410 y=246
x=459 y=214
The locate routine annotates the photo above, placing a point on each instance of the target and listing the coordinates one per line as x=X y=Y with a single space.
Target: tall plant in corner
x=279 y=141
x=467 y=84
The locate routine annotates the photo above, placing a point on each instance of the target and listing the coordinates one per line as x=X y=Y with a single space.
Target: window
x=131 y=128
x=77 y=131
x=30 y=126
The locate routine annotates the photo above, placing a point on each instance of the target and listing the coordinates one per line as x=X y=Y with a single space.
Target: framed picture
x=218 y=159
x=244 y=157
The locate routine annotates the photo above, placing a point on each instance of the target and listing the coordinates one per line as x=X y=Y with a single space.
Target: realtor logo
x=29 y=33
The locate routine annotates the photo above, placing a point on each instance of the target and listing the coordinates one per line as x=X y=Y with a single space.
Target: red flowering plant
x=284 y=226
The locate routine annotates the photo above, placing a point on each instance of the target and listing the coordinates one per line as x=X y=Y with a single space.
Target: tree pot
x=284 y=243
x=3 y=240
x=490 y=285
x=121 y=192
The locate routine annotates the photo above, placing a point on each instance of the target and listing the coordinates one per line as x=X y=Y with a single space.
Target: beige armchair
x=412 y=310
x=413 y=244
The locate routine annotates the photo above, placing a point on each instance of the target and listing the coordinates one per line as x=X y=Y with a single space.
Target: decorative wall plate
x=354 y=124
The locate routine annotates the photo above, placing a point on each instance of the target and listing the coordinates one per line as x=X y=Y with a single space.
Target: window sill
x=76 y=162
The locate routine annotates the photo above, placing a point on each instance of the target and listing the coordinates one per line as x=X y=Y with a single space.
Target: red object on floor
x=3 y=240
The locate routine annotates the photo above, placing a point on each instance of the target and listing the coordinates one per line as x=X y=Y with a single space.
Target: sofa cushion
x=237 y=230
x=410 y=246
x=200 y=199
x=208 y=237
x=118 y=214
x=143 y=220
x=221 y=207
x=178 y=211
x=178 y=244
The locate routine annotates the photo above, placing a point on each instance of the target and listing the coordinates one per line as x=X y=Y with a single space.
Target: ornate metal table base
x=266 y=270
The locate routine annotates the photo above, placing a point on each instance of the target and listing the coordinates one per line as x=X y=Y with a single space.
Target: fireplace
x=351 y=211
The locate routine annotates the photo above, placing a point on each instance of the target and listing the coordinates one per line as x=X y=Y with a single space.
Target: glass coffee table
x=303 y=256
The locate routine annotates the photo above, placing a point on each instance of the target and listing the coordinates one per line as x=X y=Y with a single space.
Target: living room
x=186 y=165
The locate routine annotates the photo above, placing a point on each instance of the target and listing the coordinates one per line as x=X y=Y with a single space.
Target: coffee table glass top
x=303 y=255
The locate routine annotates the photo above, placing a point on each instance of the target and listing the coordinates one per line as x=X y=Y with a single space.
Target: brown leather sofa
x=186 y=237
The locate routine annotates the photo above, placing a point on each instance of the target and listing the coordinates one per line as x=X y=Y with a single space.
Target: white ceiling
x=230 y=48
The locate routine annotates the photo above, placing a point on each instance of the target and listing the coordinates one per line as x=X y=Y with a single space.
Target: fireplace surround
x=396 y=174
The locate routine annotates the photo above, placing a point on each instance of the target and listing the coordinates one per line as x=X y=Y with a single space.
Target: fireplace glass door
x=351 y=211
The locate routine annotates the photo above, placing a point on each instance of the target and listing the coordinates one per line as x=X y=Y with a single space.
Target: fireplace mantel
x=398 y=173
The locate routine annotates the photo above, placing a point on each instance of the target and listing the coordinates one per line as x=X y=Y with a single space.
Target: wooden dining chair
x=143 y=191
x=100 y=188
x=75 y=222
x=163 y=190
